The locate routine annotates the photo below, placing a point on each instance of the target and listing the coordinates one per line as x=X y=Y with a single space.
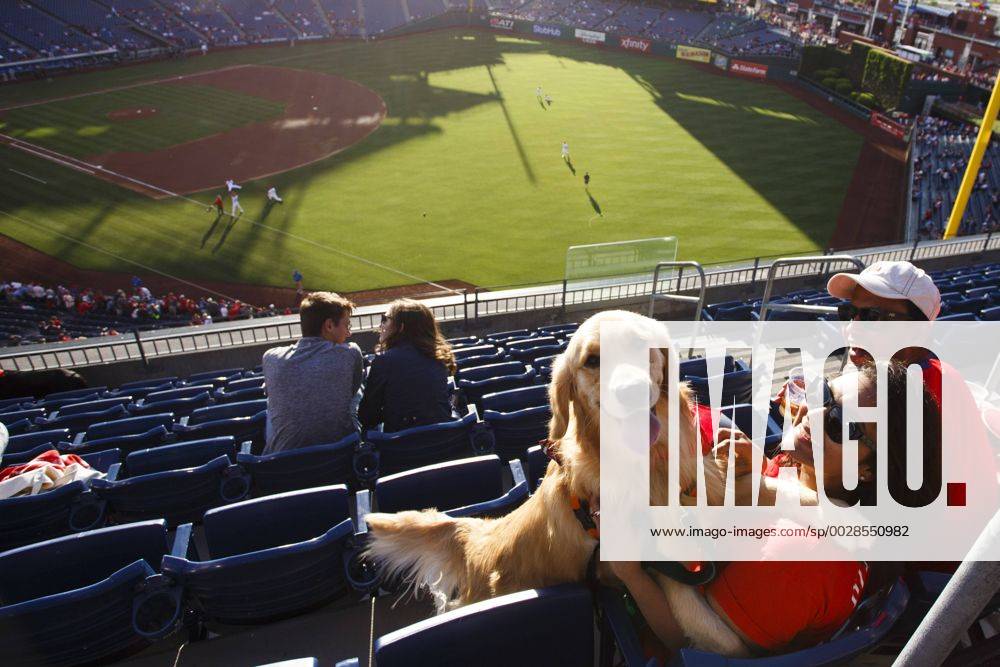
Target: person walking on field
x=565 y=151
x=217 y=204
x=236 y=203
x=272 y=195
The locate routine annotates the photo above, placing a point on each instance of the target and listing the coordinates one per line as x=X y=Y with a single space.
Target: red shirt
x=782 y=606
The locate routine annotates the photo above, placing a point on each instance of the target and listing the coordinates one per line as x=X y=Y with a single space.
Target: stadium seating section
x=940 y=153
x=280 y=533
x=38 y=29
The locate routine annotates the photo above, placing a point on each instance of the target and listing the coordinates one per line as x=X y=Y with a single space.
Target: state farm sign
x=635 y=44
x=590 y=36
x=752 y=70
x=501 y=23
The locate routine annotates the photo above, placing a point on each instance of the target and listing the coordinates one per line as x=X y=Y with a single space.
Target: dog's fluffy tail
x=420 y=550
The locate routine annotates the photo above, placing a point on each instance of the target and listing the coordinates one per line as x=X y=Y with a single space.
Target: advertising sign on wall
x=752 y=70
x=694 y=53
x=888 y=125
x=590 y=36
x=635 y=44
x=547 y=30
x=501 y=23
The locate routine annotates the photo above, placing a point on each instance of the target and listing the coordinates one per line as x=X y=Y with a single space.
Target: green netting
x=619 y=259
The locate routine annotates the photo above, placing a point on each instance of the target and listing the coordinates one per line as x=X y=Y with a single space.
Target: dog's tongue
x=654 y=428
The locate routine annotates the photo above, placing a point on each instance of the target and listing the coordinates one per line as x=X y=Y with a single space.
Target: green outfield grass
x=464 y=178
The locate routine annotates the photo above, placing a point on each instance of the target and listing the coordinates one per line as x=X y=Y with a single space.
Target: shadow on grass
x=208 y=234
x=594 y=204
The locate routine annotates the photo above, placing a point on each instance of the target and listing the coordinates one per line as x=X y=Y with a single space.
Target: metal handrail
x=654 y=293
x=766 y=306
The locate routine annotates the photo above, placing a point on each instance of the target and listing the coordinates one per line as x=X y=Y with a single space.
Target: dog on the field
x=542 y=543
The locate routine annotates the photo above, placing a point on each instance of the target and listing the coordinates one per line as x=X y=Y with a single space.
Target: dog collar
x=581 y=508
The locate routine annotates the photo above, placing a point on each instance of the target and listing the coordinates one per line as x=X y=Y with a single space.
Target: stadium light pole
x=976 y=159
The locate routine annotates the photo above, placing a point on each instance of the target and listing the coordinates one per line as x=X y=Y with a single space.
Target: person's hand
x=740 y=448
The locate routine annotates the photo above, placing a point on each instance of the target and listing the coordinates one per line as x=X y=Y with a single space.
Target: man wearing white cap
x=892 y=291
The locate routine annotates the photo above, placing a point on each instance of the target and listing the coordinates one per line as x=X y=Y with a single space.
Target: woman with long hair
x=408 y=380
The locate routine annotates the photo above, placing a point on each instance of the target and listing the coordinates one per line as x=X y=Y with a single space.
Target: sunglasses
x=833 y=421
x=847 y=312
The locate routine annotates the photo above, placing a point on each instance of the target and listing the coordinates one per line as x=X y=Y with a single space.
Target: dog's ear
x=560 y=394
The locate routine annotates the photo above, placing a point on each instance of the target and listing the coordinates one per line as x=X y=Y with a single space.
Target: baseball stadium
x=300 y=300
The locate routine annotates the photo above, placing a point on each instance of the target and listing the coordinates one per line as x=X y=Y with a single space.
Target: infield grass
x=463 y=180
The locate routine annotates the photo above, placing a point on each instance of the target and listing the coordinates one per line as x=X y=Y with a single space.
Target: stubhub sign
x=547 y=30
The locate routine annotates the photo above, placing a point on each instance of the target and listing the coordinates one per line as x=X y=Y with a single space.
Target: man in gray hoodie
x=311 y=383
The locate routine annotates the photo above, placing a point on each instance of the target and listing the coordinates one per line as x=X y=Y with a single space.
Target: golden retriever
x=542 y=543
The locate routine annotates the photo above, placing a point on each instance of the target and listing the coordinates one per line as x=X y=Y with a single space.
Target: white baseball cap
x=891 y=280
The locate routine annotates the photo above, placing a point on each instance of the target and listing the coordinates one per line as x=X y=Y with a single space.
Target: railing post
x=465 y=310
x=475 y=307
x=142 y=352
x=913 y=250
x=986 y=241
x=563 y=297
x=753 y=276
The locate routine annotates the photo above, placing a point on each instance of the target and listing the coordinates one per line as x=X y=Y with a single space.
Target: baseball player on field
x=231 y=185
x=236 y=203
x=565 y=151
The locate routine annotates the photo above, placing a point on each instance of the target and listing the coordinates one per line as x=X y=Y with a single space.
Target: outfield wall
x=748 y=67
x=182 y=351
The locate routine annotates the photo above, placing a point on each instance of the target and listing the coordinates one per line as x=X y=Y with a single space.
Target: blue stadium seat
x=8 y=418
x=529 y=354
x=957 y=317
x=559 y=330
x=244 y=429
x=127 y=443
x=516 y=431
x=737 y=387
x=141 y=388
x=517 y=629
x=179 y=406
x=18 y=444
x=176 y=457
x=698 y=366
x=245 y=383
x=742 y=416
x=301 y=468
x=517 y=399
x=870 y=624
x=93 y=406
x=474 y=390
x=66 y=509
x=78 y=599
x=175 y=393
x=226 y=395
x=228 y=411
x=269 y=558
x=969 y=306
x=387 y=453
x=528 y=343
x=130 y=426
x=80 y=421
x=480 y=359
x=467 y=487
x=990 y=314
x=475 y=351
x=502 y=337
x=990 y=293
x=16 y=403
x=78 y=394
x=179 y=496
x=213 y=376
x=736 y=313
x=543 y=366
x=103 y=460
x=464 y=341
x=52 y=404
x=489 y=371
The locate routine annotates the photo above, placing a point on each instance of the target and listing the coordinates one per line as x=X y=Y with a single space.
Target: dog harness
x=700 y=575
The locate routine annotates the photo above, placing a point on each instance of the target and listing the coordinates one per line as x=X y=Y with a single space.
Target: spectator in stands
x=408 y=380
x=311 y=384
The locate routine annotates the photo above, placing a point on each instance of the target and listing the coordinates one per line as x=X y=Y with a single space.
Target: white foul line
x=49 y=154
x=21 y=173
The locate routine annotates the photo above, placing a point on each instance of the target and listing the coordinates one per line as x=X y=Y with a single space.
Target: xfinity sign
x=635 y=44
